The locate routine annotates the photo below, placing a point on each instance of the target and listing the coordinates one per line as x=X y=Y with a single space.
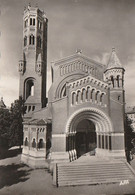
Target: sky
x=94 y=26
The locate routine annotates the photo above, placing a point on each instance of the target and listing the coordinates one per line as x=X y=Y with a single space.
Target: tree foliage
x=5 y=123
x=11 y=127
x=129 y=134
x=16 y=127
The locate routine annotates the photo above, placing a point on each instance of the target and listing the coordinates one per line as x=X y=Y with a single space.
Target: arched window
x=29 y=88
x=97 y=96
x=92 y=94
x=29 y=108
x=118 y=81
x=88 y=94
x=40 y=144
x=101 y=97
x=78 y=97
x=32 y=21
x=31 y=40
x=83 y=95
x=33 y=108
x=73 y=98
x=112 y=80
x=34 y=143
x=26 y=141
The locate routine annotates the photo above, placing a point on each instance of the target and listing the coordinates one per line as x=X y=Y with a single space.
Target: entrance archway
x=102 y=128
x=85 y=138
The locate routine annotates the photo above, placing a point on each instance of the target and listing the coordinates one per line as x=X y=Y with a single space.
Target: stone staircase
x=94 y=171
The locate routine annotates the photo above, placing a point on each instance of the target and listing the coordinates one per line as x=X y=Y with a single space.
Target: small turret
x=114 y=73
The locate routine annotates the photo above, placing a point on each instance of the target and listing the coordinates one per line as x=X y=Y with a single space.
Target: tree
x=16 y=127
x=129 y=134
x=5 y=122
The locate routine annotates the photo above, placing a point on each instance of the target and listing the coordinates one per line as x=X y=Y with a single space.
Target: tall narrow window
x=112 y=80
x=118 y=81
x=31 y=40
x=29 y=88
x=73 y=98
x=33 y=21
x=30 y=21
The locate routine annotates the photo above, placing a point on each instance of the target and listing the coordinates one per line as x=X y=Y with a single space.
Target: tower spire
x=114 y=61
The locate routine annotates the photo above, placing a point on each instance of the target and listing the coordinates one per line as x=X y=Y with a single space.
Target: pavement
x=18 y=179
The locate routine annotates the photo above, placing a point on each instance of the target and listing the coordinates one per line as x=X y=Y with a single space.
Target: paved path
x=18 y=179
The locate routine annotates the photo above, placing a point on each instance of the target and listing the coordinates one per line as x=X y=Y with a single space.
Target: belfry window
x=31 y=40
x=32 y=21
x=29 y=88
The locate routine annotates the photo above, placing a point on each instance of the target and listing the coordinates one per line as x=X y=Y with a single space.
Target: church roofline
x=77 y=55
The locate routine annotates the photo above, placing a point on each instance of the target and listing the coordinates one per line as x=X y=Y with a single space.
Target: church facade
x=84 y=112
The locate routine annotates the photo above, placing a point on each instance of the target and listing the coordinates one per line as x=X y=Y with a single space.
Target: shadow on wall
x=9 y=153
x=13 y=174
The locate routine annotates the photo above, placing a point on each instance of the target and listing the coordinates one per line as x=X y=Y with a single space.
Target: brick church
x=84 y=111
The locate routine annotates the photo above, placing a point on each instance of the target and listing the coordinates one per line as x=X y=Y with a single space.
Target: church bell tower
x=33 y=63
x=114 y=76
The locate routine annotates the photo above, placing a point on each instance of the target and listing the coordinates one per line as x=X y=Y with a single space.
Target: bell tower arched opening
x=86 y=139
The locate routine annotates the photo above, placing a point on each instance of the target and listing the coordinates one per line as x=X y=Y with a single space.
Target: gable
x=77 y=64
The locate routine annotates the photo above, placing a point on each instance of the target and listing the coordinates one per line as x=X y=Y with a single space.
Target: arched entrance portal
x=92 y=120
x=85 y=138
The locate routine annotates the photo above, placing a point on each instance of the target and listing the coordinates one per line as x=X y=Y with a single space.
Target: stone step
x=88 y=173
